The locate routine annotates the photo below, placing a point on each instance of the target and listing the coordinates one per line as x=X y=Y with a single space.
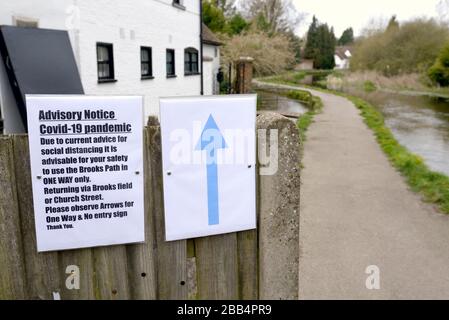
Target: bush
x=300 y=95
x=411 y=47
x=369 y=86
x=439 y=72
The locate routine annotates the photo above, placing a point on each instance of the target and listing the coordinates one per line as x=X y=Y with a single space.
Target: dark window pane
x=105 y=61
x=190 y=61
x=145 y=61
x=170 y=62
x=145 y=55
x=104 y=71
x=146 y=69
x=103 y=53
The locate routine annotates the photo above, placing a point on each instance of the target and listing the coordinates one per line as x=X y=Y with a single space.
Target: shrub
x=303 y=96
x=369 y=86
x=411 y=47
x=439 y=72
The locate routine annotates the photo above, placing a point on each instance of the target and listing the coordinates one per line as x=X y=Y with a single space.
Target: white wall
x=127 y=24
x=156 y=24
x=50 y=13
x=211 y=85
x=341 y=63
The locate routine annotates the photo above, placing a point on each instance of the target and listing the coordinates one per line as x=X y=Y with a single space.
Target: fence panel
x=12 y=275
x=254 y=264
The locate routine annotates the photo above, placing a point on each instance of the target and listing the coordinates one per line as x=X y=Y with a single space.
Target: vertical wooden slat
x=111 y=273
x=41 y=269
x=217 y=267
x=141 y=257
x=83 y=259
x=171 y=256
x=12 y=273
x=248 y=265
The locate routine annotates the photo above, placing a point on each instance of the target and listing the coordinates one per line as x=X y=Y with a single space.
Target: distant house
x=342 y=57
x=111 y=47
x=211 y=61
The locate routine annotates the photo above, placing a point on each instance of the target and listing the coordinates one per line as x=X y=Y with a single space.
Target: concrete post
x=279 y=211
x=244 y=75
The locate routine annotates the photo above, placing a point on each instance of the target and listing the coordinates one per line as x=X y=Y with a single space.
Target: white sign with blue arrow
x=209 y=160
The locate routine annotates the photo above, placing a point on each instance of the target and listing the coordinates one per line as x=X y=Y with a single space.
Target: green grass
x=315 y=105
x=297 y=77
x=433 y=186
x=369 y=86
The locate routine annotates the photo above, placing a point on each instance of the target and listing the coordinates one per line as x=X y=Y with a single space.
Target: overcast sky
x=356 y=13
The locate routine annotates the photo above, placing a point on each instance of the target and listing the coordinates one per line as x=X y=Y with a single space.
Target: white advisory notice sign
x=87 y=170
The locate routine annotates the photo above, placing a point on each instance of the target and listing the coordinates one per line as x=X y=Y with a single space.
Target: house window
x=146 y=68
x=179 y=4
x=171 y=72
x=105 y=62
x=190 y=61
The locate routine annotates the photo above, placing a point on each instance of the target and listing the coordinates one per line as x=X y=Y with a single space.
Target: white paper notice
x=208 y=151
x=87 y=170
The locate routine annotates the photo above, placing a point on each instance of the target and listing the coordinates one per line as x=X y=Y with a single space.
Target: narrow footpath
x=357 y=211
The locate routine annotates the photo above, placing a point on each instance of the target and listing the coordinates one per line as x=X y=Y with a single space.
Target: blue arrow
x=211 y=140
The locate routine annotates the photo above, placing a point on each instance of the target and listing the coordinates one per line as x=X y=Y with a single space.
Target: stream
x=268 y=101
x=420 y=123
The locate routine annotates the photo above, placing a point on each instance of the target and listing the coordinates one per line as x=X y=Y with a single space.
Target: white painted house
x=123 y=47
x=342 y=57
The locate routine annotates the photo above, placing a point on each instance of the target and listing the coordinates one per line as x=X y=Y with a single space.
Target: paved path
x=357 y=211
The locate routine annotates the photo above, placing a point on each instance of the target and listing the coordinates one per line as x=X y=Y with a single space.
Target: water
x=420 y=123
x=269 y=101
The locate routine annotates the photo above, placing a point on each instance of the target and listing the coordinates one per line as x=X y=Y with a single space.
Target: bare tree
x=443 y=10
x=271 y=55
x=280 y=15
x=227 y=6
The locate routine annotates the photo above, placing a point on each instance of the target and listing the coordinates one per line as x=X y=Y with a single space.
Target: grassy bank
x=433 y=186
x=368 y=81
x=315 y=105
